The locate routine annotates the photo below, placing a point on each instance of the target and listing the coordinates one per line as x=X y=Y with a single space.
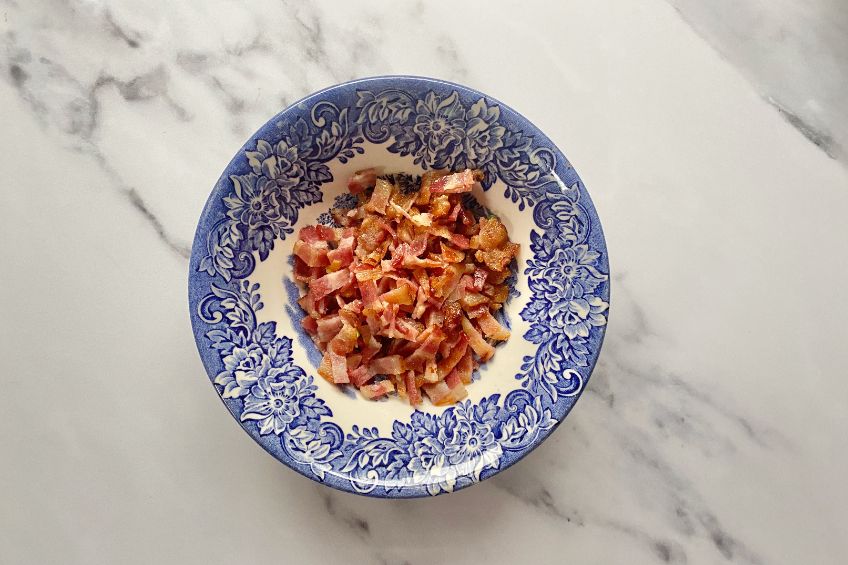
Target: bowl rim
x=218 y=191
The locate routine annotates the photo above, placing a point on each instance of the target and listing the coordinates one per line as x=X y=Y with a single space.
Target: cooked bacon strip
x=328 y=327
x=380 y=197
x=412 y=391
x=389 y=365
x=427 y=350
x=319 y=288
x=447 y=364
x=314 y=254
x=453 y=184
x=478 y=344
x=342 y=256
x=361 y=180
x=491 y=327
x=377 y=390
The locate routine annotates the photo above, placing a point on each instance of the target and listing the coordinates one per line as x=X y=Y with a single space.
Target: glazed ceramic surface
x=244 y=299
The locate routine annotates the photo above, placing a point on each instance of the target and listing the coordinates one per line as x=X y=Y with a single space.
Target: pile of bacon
x=401 y=297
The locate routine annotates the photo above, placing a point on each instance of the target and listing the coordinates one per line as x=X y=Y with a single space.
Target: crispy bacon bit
x=331 y=282
x=377 y=390
x=390 y=365
x=412 y=391
x=491 y=327
x=401 y=299
x=497 y=259
x=478 y=344
x=453 y=184
x=343 y=254
x=362 y=180
x=380 y=197
x=314 y=254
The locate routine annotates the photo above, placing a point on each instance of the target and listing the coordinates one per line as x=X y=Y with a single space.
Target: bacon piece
x=380 y=197
x=491 y=327
x=403 y=294
x=377 y=390
x=447 y=364
x=312 y=234
x=473 y=299
x=442 y=394
x=331 y=282
x=427 y=350
x=361 y=180
x=314 y=254
x=368 y=291
x=389 y=365
x=417 y=263
x=412 y=391
x=343 y=254
x=492 y=234
x=360 y=376
x=324 y=369
x=309 y=324
x=328 y=327
x=476 y=341
x=464 y=368
x=338 y=365
x=453 y=184
x=459 y=241
x=480 y=279
x=303 y=272
x=497 y=259
x=408 y=329
x=451 y=255
x=444 y=284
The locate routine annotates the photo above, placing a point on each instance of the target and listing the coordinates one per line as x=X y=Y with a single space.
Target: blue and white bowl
x=247 y=324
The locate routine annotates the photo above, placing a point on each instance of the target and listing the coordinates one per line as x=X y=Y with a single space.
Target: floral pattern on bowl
x=259 y=365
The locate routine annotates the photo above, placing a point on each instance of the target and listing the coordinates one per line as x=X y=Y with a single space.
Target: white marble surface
x=713 y=429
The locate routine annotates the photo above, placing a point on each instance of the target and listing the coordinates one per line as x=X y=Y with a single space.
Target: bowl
x=246 y=320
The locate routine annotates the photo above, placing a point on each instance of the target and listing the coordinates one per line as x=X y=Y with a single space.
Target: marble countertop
x=712 y=431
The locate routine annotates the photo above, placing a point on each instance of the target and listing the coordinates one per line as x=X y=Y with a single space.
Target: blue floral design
x=565 y=268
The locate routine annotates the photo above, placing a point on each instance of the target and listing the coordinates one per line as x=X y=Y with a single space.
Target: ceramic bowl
x=247 y=323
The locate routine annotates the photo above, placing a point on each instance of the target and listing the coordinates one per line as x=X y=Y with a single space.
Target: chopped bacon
x=377 y=390
x=314 y=254
x=480 y=279
x=478 y=344
x=428 y=349
x=390 y=365
x=380 y=197
x=412 y=391
x=343 y=254
x=401 y=298
x=359 y=376
x=361 y=180
x=450 y=361
x=328 y=327
x=491 y=327
x=309 y=324
x=453 y=184
x=319 y=288
x=312 y=234
x=464 y=368
x=338 y=365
